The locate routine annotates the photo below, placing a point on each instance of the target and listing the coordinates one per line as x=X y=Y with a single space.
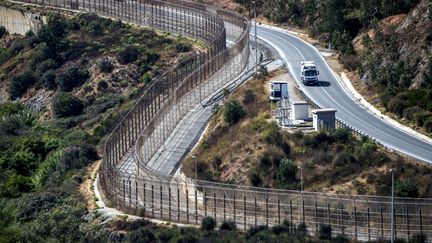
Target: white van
x=309 y=73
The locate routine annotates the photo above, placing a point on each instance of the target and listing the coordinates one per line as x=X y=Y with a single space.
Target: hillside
x=61 y=91
x=253 y=150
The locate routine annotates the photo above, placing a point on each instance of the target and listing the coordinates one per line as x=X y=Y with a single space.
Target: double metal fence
x=143 y=131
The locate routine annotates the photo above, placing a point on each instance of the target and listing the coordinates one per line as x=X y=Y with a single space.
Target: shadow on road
x=323 y=83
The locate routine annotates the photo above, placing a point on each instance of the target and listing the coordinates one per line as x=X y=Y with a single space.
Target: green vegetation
x=232 y=112
x=65 y=105
x=67 y=72
x=3 y=31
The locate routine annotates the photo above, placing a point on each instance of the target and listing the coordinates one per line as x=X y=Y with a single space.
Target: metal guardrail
x=143 y=130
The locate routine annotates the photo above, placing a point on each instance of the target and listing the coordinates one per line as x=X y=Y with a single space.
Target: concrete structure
x=299 y=110
x=324 y=119
x=278 y=90
x=18 y=22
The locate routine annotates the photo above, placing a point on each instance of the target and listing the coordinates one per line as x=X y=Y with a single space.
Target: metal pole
x=392 y=208
x=256 y=43
x=301 y=192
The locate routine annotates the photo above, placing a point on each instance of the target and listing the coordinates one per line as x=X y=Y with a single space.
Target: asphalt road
x=330 y=94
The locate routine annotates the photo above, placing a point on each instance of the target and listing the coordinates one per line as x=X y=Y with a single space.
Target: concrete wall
x=17 y=22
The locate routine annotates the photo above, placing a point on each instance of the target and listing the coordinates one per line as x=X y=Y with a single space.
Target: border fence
x=167 y=99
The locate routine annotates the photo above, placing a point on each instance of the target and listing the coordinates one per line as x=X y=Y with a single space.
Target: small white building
x=278 y=90
x=299 y=110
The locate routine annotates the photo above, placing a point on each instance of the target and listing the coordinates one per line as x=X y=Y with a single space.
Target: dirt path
x=86 y=187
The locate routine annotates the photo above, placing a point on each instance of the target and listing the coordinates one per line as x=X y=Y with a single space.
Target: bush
x=65 y=104
x=233 y=112
x=249 y=96
x=406 y=188
x=128 y=55
x=141 y=235
x=183 y=47
x=44 y=66
x=95 y=29
x=3 y=31
x=20 y=83
x=228 y=225
x=76 y=157
x=421 y=117
x=287 y=172
x=106 y=66
x=71 y=78
x=325 y=232
x=428 y=125
x=396 y=105
x=48 y=80
x=255 y=179
x=350 y=62
x=409 y=112
x=302 y=229
x=208 y=223
x=342 y=135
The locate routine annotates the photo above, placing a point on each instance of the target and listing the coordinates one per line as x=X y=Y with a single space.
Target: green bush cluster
x=71 y=78
x=3 y=31
x=128 y=54
x=65 y=104
x=20 y=83
x=232 y=111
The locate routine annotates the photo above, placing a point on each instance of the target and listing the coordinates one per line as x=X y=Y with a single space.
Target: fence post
x=316 y=216
x=234 y=202
x=255 y=207
x=224 y=207
x=267 y=217
x=341 y=218
x=136 y=194
x=291 y=217
x=421 y=221
x=152 y=199
x=279 y=216
x=407 y=222
x=124 y=191
x=368 y=224
x=214 y=205
x=328 y=214
x=355 y=222
x=178 y=204
x=205 y=204
x=187 y=206
x=244 y=211
x=196 y=207
x=169 y=202
x=144 y=199
x=394 y=222
x=382 y=221
x=161 y=202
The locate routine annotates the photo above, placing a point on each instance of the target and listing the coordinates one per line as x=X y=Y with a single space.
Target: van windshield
x=310 y=73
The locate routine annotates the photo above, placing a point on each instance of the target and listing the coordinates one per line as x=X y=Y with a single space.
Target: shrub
x=249 y=96
x=208 y=223
x=76 y=157
x=233 y=112
x=287 y=172
x=409 y=112
x=342 y=135
x=325 y=232
x=20 y=83
x=351 y=62
x=95 y=29
x=255 y=179
x=44 y=66
x=106 y=66
x=3 y=31
x=406 y=188
x=228 y=225
x=128 y=55
x=102 y=85
x=71 y=78
x=428 y=125
x=65 y=104
x=183 y=47
x=254 y=230
x=342 y=159
x=396 y=105
x=302 y=229
x=48 y=79
x=141 y=235
x=421 y=117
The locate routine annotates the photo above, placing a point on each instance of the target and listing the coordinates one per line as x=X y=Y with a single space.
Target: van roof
x=278 y=82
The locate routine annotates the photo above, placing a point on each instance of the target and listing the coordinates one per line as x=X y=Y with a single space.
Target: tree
x=71 y=78
x=65 y=104
x=3 y=31
x=128 y=55
x=287 y=172
x=406 y=188
x=54 y=33
x=20 y=83
x=233 y=112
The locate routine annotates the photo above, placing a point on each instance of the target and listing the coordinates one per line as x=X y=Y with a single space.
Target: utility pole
x=392 y=207
x=256 y=42
x=195 y=165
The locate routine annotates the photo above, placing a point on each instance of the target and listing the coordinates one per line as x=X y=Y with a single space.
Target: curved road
x=330 y=94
